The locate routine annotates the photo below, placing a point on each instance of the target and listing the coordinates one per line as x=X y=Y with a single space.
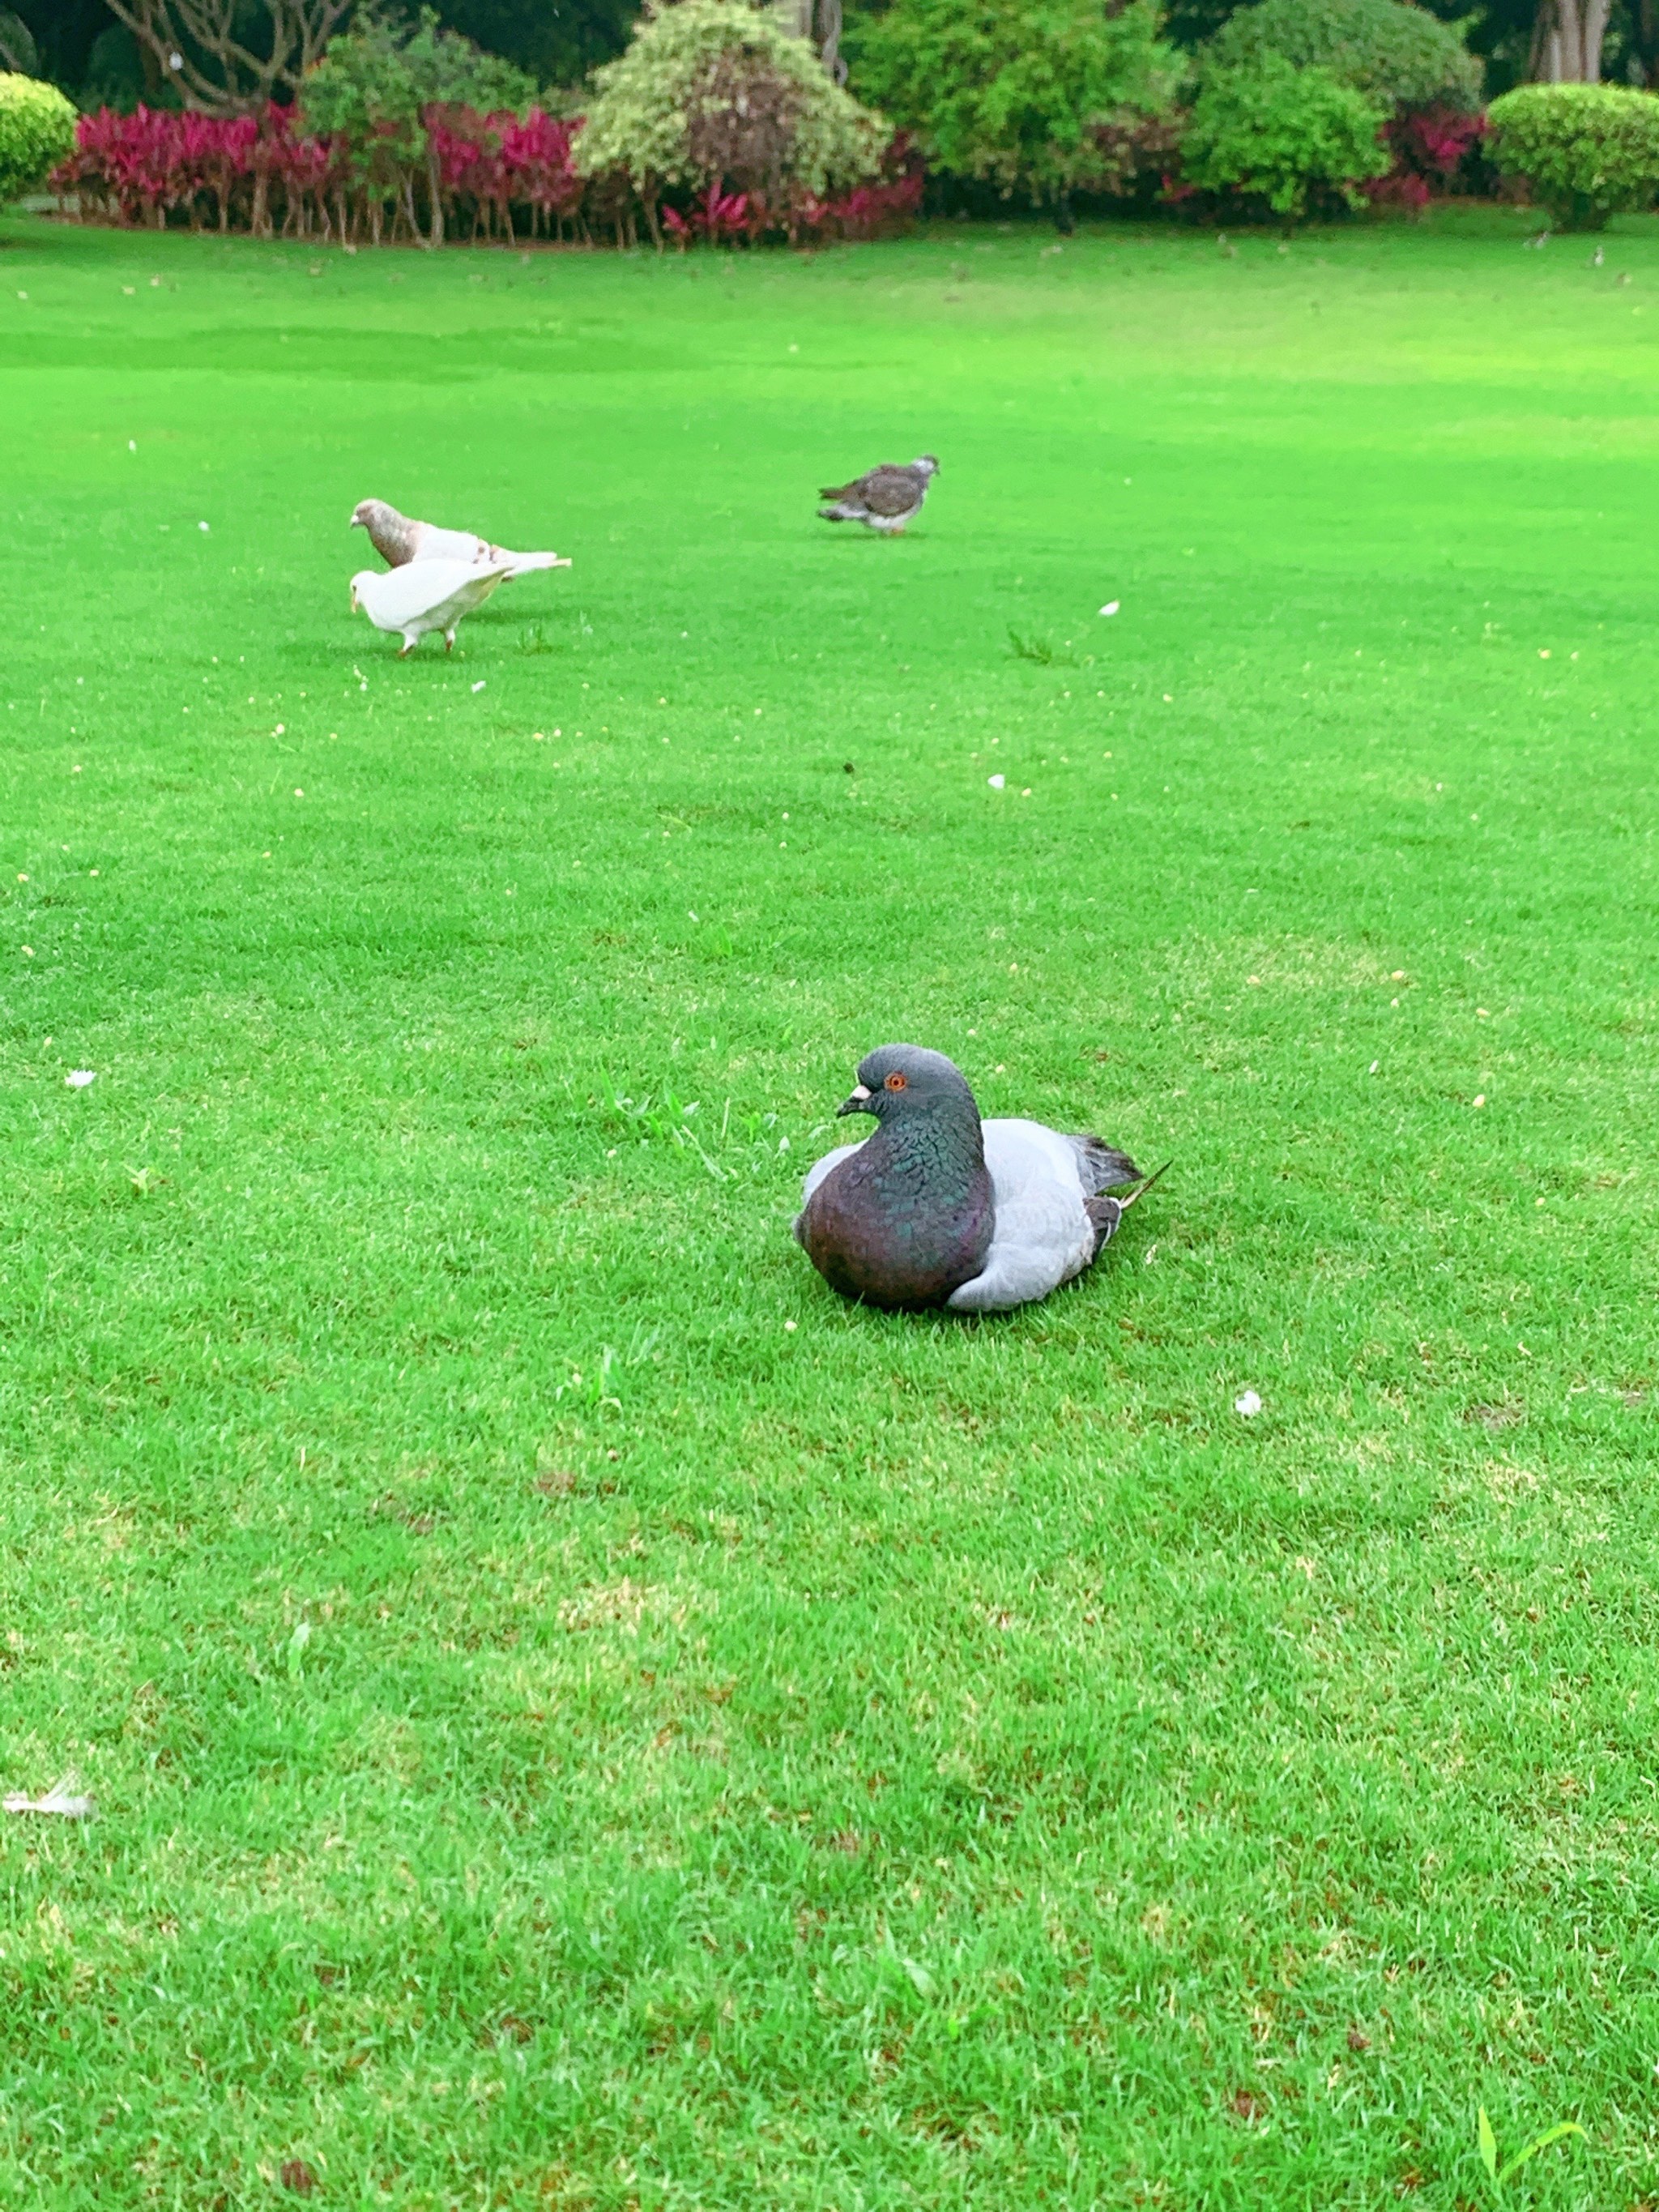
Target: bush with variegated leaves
x=716 y=91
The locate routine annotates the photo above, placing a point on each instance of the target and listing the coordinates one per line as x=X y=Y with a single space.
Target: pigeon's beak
x=858 y=1103
x=356 y=522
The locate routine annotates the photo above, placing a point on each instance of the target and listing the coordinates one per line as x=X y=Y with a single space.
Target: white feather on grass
x=64 y=1799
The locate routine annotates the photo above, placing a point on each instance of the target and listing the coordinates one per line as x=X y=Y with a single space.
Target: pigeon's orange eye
x=897 y=1082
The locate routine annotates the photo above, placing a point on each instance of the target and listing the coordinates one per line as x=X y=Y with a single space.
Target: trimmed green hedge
x=1587 y=151
x=1398 y=56
x=37 y=132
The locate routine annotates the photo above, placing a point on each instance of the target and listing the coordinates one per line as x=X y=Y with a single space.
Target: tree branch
x=177 y=31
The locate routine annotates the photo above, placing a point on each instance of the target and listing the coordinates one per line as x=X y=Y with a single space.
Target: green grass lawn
x=580 y=1717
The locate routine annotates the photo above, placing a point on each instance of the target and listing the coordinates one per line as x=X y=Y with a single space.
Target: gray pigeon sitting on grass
x=883 y=498
x=939 y=1208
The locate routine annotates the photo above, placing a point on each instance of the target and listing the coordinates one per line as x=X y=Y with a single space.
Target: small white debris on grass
x=202 y=525
x=62 y=1799
x=790 y=1325
x=479 y=685
x=1249 y=1403
x=78 y=1077
x=996 y=783
x=1111 y=606
x=1479 y=1098
x=1375 y=1065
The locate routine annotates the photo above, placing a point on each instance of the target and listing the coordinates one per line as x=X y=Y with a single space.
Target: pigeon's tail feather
x=523 y=562
x=837 y=491
x=842 y=512
x=1102 y=1166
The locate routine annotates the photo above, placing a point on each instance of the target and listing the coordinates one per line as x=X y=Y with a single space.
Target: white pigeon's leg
x=449 y=640
x=411 y=638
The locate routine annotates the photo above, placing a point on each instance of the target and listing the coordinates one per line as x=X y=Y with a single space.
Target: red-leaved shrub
x=500 y=176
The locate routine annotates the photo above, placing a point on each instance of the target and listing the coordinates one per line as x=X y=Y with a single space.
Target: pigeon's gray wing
x=820 y=1169
x=890 y=491
x=1043 y=1235
x=1102 y=1166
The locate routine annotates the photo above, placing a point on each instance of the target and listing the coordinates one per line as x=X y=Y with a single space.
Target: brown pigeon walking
x=398 y=540
x=939 y=1208
x=883 y=498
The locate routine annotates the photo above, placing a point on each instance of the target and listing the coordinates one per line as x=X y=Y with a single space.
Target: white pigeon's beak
x=855 y=1103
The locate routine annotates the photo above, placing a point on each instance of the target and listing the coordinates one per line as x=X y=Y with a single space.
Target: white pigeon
x=398 y=540
x=940 y=1208
x=424 y=595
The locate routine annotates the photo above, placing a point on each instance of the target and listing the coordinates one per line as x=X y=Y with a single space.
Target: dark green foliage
x=120 y=73
x=1033 y=98
x=18 y=53
x=558 y=44
x=1398 y=56
x=1283 y=136
x=1587 y=151
x=64 y=32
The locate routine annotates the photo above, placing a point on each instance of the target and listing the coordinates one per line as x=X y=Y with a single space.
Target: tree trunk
x=1566 y=41
x=434 y=193
x=830 y=28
